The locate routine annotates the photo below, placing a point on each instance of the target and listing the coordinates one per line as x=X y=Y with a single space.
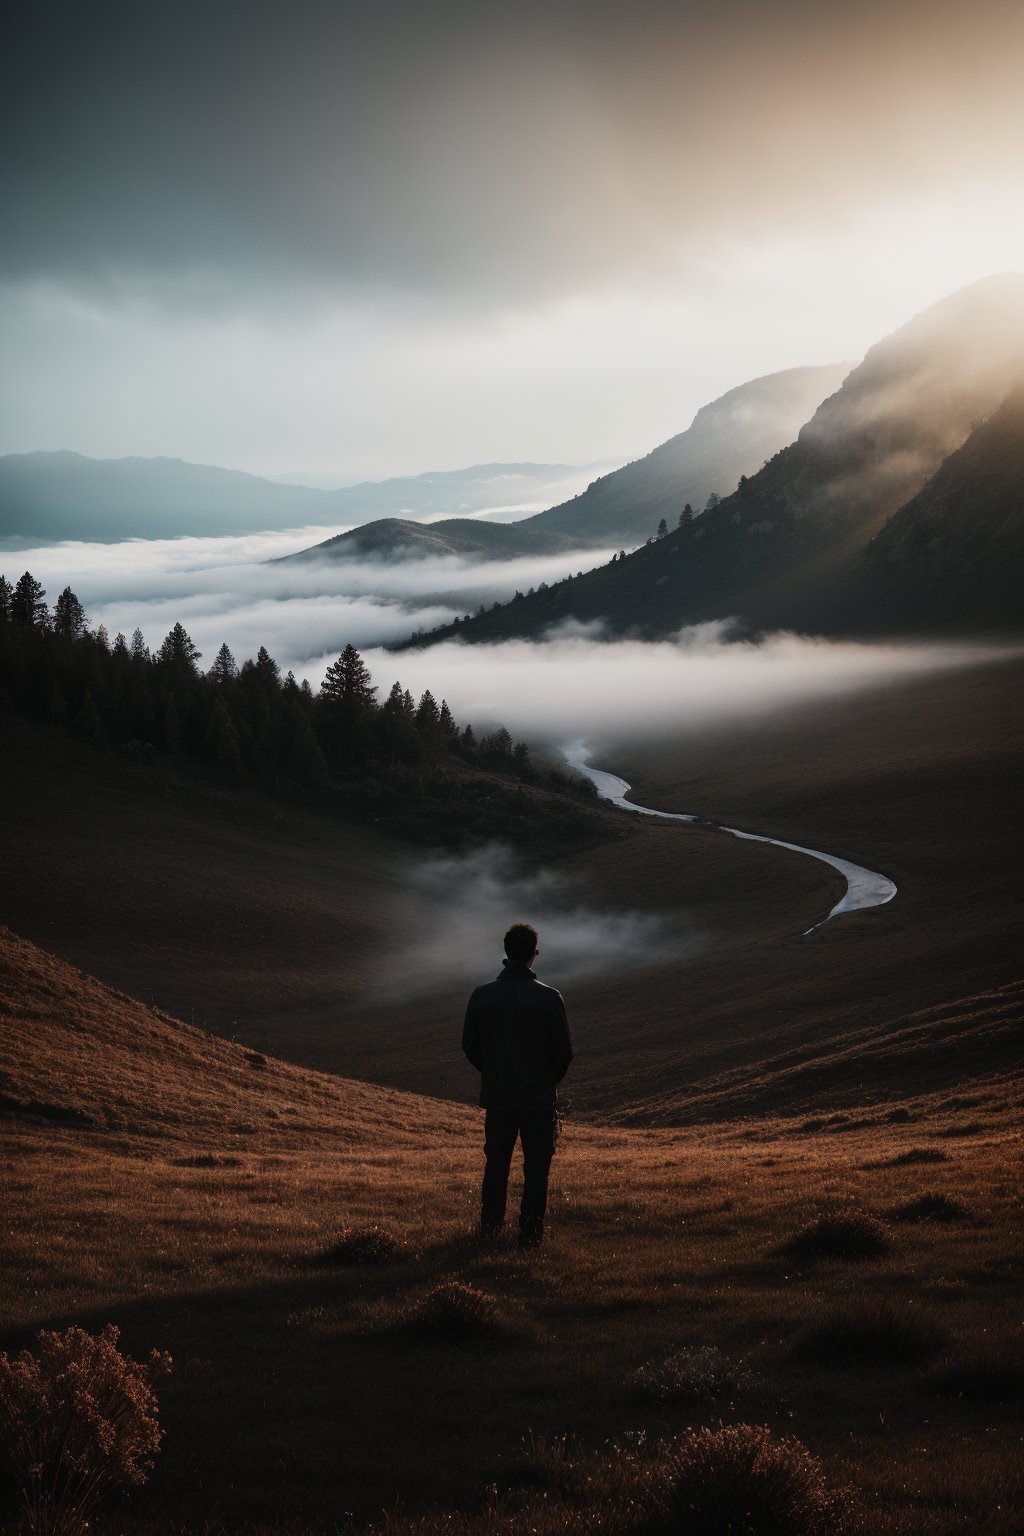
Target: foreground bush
x=744 y=1481
x=849 y=1234
x=366 y=1245
x=932 y=1208
x=77 y=1419
x=690 y=1376
x=460 y=1314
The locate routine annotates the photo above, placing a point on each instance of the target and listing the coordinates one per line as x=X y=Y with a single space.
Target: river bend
x=864 y=887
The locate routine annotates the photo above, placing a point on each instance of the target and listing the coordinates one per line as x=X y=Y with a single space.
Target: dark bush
x=366 y=1245
x=931 y=1208
x=875 y=1333
x=690 y=1376
x=914 y=1155
x=849 y=1234
x=744 y=1481
x=457 y=1313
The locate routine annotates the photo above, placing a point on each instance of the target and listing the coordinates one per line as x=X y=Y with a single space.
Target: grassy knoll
x=195 y=1192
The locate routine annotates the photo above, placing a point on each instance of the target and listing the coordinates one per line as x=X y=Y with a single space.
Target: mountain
x=728 y=438
x=784 y=549
x=954 y=554
x=471 y=538
x=65 y=495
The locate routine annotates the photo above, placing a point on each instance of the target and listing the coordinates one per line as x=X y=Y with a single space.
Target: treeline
x=245 y=723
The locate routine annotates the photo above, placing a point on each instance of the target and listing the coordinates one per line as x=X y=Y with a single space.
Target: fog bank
x=481 y=893
x=575 y=685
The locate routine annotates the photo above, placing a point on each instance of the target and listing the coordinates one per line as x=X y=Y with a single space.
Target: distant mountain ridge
x=65 y=495
x=470 y=538
x=727 y=438
x=730 y=437
x=792 y=546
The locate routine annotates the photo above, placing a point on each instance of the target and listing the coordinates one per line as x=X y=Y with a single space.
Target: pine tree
x=68 y=616
x=6 y=598
x=712 y=502
x=686 y=516
x=28 y=610
x=348 y=679
x=445 y=724
x=662 y=529
x=224 y=666
x=178 y=652
x=140 y=650
x=267 y=667
x=427 y=714
x=120 y=647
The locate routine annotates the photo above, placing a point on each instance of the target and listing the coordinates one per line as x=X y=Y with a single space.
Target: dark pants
x=534 y=1125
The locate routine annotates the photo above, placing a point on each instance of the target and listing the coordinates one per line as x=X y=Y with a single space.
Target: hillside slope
x=466 y=537
x=954 y=554
x=78 y=1054
x=779 y=551
x=728 y=438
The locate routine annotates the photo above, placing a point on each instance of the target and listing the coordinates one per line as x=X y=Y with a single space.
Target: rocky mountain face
x=792 y=547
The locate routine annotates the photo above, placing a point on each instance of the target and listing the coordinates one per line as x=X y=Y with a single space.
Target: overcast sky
x=374 y=239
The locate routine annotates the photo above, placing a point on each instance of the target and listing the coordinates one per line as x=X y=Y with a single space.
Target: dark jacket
x=517 y=1036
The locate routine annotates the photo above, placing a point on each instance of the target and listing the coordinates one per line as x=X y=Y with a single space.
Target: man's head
x=521 y=943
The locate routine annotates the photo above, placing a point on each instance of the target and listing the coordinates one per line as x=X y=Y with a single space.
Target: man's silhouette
x=517 y=1036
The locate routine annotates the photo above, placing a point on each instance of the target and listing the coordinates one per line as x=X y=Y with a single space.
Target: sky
x=352 y=240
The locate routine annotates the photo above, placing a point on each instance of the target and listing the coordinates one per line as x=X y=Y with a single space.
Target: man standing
x=517 y=1036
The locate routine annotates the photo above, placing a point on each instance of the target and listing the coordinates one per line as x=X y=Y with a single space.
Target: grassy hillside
x=470 y=538
x=195 y=1194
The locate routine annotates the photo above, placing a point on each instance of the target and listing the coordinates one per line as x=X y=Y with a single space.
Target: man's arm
x=559 y=1039
x=471 y=1035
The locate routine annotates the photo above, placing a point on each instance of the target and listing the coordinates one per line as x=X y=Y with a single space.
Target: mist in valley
x=456 y=907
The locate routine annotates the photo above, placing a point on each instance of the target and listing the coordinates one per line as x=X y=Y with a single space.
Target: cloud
x=574 y=685
x=483 y=892
x=224 y=589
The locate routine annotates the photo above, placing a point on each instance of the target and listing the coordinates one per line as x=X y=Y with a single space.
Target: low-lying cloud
x=481 y=893
x=574 y=685
x=228 y=589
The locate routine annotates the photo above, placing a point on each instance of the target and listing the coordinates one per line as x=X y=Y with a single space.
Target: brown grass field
x=190 y=1187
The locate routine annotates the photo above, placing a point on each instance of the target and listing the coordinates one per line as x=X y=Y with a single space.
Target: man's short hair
x=521 y=942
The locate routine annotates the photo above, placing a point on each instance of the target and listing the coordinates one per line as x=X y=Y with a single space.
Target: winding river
x=864 y=887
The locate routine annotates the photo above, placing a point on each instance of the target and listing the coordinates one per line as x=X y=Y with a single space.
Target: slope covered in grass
x=478 y=1389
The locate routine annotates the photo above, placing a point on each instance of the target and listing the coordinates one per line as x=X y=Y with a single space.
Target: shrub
x=365 y=1245
x=744 y=1481
x=931 y=1208
x=849 y=1234
x=77 y=1419
x=914 y=1155
x=460 y=1314
x=871 y=1333
x=690 y=1375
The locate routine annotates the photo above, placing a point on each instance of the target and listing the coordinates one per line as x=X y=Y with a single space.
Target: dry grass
x=454 y=1312
x=194 y=1231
